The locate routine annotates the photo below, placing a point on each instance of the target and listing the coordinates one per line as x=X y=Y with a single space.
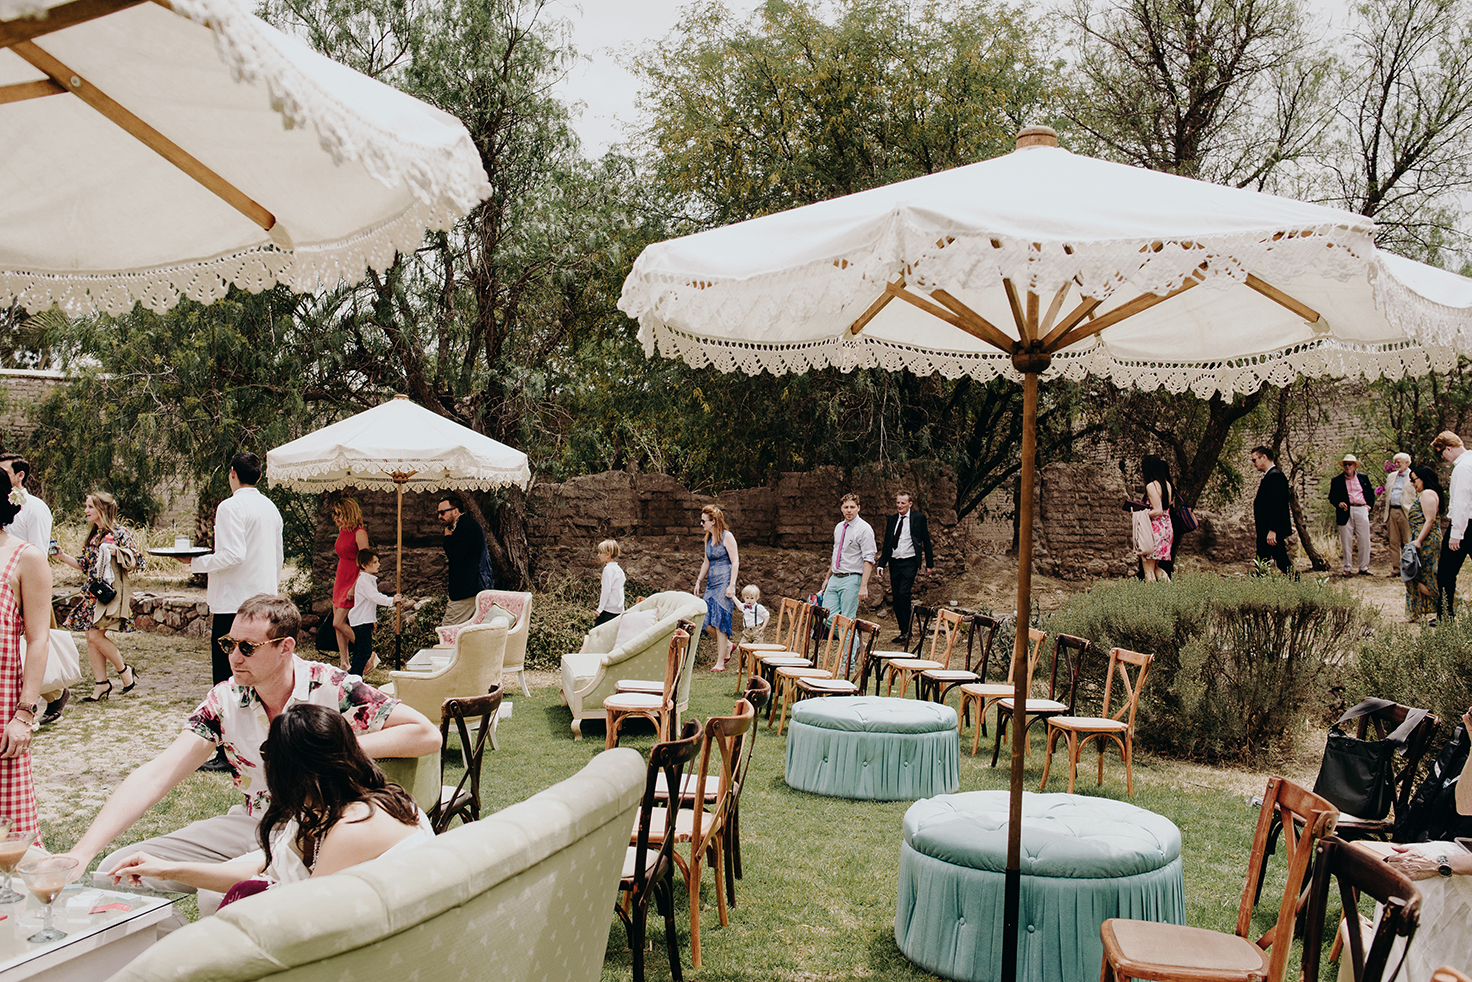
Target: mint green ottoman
x=1083 y=860
x=874 y=748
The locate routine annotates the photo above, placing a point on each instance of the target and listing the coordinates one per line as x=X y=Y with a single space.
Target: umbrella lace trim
x=306 y=269
x=1434 y=328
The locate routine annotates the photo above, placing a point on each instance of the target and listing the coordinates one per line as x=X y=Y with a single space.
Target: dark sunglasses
x=445 y=511
x=247 y=648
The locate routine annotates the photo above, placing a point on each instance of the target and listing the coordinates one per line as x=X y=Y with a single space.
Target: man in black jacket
x=1352 y=497
x=1270 y=510
x=468 y=560
x=906 y=537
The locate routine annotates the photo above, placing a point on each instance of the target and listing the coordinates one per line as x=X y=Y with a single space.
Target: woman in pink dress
x=1158 y=492
x=25 y=609
x=351 y=536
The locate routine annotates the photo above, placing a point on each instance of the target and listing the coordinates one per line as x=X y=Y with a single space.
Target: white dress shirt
x=611 y=596
x=367 y=598
x=33 y=523
x=904 y=546
x=1459 y=495
x=248 y=552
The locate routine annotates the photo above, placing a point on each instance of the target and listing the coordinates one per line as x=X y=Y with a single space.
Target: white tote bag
x=1144 y=532
x=63 y=666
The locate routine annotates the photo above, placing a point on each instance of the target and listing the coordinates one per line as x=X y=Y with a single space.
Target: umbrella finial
x=1037 y=136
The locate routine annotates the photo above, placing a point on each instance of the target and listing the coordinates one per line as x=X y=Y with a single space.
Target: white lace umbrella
x=1043 y=262
x=391 y=447
x=171 y=148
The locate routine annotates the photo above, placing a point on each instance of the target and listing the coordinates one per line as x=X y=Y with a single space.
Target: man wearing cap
x=1398 y=495
x=1352 y=497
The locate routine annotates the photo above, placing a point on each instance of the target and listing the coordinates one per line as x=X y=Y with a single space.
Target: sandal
x=718 y=668
x=106 y=690
x=131 y=685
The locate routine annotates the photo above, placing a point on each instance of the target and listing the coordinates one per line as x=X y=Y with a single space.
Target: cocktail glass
x=47 y=877
x=13 y=846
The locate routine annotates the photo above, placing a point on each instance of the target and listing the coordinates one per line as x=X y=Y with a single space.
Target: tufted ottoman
x=1083 y=860
x=872 y=747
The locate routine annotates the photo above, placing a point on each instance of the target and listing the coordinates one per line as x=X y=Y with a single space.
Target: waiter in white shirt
x=247 y=561
x=1448 y=446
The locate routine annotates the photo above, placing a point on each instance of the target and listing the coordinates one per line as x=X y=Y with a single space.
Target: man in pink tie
x=852 y=561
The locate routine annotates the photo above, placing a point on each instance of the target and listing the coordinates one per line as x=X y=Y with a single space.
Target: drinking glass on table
x=13 y=846
x=47 y=877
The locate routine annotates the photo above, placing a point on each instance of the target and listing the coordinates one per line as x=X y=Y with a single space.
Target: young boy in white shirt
x=364 y=614
x=611 y=596
x=754 y=616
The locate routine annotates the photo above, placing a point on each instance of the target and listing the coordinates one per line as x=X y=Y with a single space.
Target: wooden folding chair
x=1119 y=727
x=1358 y=871
x=1150 y=950
x=986 y=694
x=658 y=709
x=649 y=873
x=1066 y=648
x=942 y=644
x=463 y=798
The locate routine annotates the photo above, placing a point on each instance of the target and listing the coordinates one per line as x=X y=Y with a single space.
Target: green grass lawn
x=818 y=897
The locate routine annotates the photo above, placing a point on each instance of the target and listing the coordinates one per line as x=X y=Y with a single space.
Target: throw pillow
x=498 y=611
x=633 y=623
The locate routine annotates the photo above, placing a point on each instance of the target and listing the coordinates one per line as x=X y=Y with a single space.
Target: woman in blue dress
x=718 y=574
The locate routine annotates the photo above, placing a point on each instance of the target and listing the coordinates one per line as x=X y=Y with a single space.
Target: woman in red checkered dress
x=25 y=608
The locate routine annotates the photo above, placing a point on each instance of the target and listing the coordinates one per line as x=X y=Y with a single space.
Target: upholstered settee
x=475 y=665
x=591 y=674
x=519 y=607
x=524 y=895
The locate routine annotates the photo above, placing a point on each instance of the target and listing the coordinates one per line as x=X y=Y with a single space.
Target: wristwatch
x=1442 y=866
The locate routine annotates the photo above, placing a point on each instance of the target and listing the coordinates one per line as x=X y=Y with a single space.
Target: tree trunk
x=1295 y=506
x=506 y=539
x=1196 y=473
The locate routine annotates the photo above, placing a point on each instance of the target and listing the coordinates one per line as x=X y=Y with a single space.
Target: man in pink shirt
x=1352 y=497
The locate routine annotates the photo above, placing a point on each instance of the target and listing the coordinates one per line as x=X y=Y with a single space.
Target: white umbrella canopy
x=791 y=291
x=1042 y=262
x=398 y=444
x=171 y=148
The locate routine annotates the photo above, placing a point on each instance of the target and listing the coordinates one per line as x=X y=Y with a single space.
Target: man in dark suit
x=906 y=538
x=1270 y=510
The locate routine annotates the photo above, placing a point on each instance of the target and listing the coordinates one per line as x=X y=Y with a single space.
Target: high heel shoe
x=131 y=685
x=105 y=686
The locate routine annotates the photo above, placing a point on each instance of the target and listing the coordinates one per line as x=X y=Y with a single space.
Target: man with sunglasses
x=267 y=677
x=467 y=559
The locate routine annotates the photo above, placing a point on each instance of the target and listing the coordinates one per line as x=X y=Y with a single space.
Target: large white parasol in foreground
x=394 y=446
x=153 y=150
x=1046 y=262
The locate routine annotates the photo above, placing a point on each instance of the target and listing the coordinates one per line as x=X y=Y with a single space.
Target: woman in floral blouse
x=108 y=556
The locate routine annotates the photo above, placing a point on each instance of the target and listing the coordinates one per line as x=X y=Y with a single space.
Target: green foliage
x=1430 y=668
x=562 y=614
x=1240 y=664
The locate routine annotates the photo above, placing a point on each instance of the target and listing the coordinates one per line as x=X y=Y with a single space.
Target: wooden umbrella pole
x=1030 y=364
x=400 y=478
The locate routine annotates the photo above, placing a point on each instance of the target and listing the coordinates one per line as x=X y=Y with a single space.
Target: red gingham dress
x=17 y=791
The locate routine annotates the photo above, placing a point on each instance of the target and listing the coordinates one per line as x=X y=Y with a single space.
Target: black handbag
x=104 y=592
x=1357 y=776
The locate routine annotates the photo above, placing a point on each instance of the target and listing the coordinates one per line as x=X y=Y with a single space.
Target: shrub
x=1431 y=670
x=1239 y=663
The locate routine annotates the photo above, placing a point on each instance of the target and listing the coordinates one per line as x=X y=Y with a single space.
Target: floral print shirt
x=234 y=718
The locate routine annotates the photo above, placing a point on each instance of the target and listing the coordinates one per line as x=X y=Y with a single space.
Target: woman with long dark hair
x=331 y=808
x=1158 y=493
x=1422 y=592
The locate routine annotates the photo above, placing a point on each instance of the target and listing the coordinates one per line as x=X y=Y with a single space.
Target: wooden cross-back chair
x=648 y=871
x=987 y=694
x=789 y=613
x=837 y=651
x=1357 y=871
x=703 y=828
x=1150 y=950
x=1119 y=726
x=463 y=798
x=934 y=683
x=937 y=684
x=865 y=633
x=658 y=709
x=942 y=645
x=802 y=652
x=1404 y=768
x=1068 y=649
